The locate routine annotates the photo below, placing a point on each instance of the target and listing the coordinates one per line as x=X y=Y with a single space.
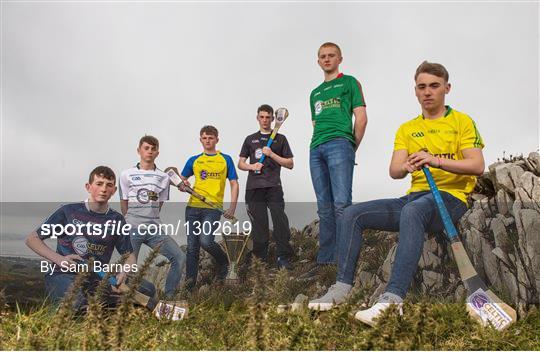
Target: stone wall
x=501 y=233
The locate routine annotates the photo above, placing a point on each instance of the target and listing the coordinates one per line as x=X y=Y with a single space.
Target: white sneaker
x=337 y=294
x=385 y=300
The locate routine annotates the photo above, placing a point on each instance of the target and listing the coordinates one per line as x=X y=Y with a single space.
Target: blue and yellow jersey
x=210 y=171
x=444 y=137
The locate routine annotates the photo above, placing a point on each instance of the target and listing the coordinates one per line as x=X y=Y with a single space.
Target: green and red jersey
x=332 y=105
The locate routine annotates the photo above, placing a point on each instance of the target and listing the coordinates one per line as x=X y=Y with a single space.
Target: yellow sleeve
x=470 y=137
x=401 y=140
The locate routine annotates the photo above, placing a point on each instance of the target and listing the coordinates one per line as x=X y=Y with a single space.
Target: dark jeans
x=411 y=215
x=257 y=202
x=331 y=165
x=202 y=222
x=58 y=284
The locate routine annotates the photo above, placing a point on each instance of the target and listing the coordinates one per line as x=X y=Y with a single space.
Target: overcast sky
x=82 y=82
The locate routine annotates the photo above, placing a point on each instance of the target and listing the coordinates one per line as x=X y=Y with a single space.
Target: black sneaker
x=283 y=263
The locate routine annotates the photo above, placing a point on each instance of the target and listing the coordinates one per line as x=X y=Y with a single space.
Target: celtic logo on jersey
x=204 y=174
x=330 y=103
x=145 y=195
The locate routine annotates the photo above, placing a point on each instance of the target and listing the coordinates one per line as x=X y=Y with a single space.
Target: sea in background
x=20 y=219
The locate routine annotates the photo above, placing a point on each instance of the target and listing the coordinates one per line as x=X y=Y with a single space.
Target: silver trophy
x=234 y=246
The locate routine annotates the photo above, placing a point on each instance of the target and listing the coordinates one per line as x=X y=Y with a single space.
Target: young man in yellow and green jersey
x=211 y=169
x=445 y=140
x=333 y=145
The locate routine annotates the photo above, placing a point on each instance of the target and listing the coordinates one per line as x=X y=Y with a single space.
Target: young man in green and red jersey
x=448 y=142
x=211 y=169
x=333 y=145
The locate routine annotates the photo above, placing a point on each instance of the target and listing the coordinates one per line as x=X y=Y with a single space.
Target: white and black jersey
x=144 y=190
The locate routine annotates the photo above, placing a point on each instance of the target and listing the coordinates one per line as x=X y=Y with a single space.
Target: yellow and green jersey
x=332 y=105
x=444 y=137
x=210 y=171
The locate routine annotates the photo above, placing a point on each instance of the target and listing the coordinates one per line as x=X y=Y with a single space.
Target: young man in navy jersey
x=143 y=189
x=100 y=230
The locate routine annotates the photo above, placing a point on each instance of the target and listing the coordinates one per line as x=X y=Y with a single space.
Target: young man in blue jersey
x=143 y=189
x=334 y=104
x=94 y=239
x=211 y=169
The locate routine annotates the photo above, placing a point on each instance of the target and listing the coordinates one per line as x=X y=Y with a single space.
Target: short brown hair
x=329 y=44
x=103 y=171
x=433 y=69
x=266 y=108
x=150 y=140
x=209 y=130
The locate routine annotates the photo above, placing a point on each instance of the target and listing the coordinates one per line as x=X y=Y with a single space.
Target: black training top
x=252 y=149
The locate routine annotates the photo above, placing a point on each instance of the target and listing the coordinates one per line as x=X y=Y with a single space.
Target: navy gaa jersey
x=99 y=244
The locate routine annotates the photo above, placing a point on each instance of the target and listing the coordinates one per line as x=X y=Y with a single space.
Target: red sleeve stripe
x=361 y=92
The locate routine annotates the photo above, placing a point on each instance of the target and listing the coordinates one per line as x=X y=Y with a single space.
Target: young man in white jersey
x=143 y=189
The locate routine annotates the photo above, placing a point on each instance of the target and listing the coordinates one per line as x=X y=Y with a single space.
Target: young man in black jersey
x=264 y=191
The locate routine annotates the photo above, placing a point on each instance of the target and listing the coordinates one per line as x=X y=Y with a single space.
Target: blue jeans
x=331 y=165
x=58 y=284
x=411 y=215
x=202 y=222
x=169 y=249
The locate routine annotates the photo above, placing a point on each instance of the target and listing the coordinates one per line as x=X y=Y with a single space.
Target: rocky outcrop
x=500 y=231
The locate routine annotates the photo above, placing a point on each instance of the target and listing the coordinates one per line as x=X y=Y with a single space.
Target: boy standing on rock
x=264 y=191
x=211 y=169
x=143 y=189
x=333 y=145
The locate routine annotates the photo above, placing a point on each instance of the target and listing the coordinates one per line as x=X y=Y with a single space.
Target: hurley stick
x=174 y=176
x=281 y=116
x=482 y=304
x=161 y=309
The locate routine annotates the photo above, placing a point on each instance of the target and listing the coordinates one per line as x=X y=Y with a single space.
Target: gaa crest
x=145 y=195
x=80 y=245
